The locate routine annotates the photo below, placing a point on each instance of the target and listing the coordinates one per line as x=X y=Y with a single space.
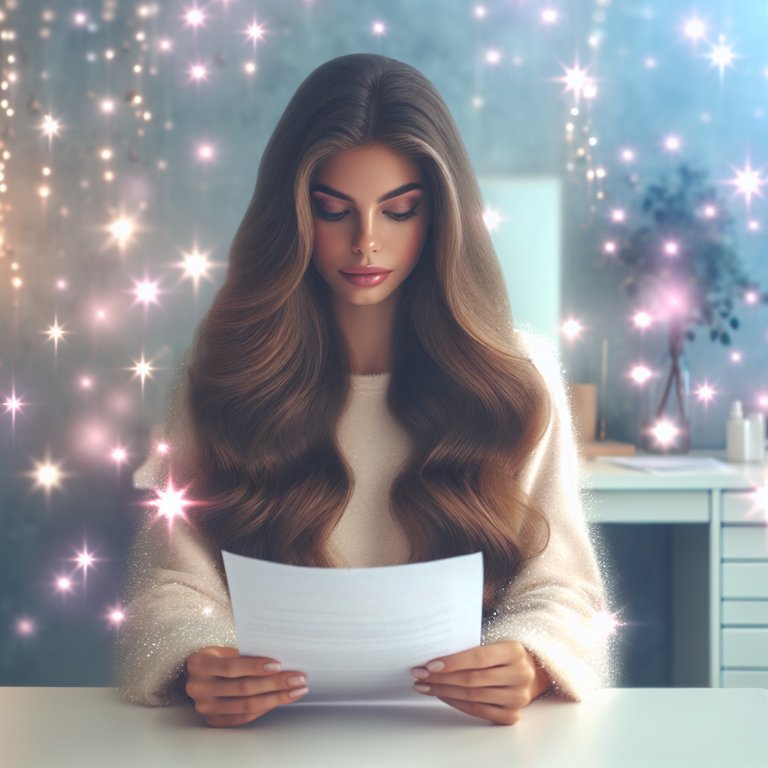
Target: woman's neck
x=367 y=330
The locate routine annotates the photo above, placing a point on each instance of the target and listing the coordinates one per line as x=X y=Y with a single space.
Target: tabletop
x=616 y=728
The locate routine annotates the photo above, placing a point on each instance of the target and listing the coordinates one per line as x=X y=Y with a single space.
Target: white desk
x=720 y=562
x=619 y=728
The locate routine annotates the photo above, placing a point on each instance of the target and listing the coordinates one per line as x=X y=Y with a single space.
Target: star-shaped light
x=196 y=266
x=577 y=81
x=705 y=393
x=721 y=55
x=55 y=334
x=119 y=455
x=13 y=405
x=142 y=369
x=50 y=126
x=47 y=476
x=255 y=32
x=748 y=182
x=194 y=17
x=146 y=291
x=171 y=503
x=121 y=231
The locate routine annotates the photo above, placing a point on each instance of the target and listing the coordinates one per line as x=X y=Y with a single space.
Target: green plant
x=705 y=275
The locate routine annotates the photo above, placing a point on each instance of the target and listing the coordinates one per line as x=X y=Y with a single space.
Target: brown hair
x=269 y=374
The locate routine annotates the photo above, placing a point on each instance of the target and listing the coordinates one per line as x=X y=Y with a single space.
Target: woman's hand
x=229 y=689
x=493 y=681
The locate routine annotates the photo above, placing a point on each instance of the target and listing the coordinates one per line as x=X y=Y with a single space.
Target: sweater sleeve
x=176 y=599
x=556 y=605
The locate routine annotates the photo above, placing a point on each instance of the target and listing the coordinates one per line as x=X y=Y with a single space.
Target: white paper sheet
x=356 y=632
x=668 y=465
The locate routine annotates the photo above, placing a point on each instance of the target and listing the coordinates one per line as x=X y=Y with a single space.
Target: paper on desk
x=356 y=632
x=665 y=465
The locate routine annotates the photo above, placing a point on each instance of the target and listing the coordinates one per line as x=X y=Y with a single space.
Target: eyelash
x=338 y=216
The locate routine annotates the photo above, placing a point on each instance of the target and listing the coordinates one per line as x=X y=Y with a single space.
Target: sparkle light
x=572 y=329
x=198 y=72
x=116 y=616
x=13 y=405
x=664 y=432
x=205 y=152
x=705 y=393
x=577 y=81
x=146 y=292
x=627 y=155
x=255 y=32
x=85 y=559
x=671 y=248
x=196 y=265
x=695 y=29
x=549 y=16
x=751 y=297
x=25 y=627
x=618 y=216
x=492 y=219
x=672 y=143
x=640 y=374
x=55 y=334
x=492 y=56
x=194 y=17
x=143 y=370
x=609 y=247
x=170 y=503
x=480 y=11
x=119 y=455
x=642 y=320
x=50 y=126
x=63 y=584
x=736 y=356
x=162 y=448
x=122 y=230
x=107 y=106
x=721 y=55
x=605 y=624
x=748 y=182
x=47 y=476
x=378 y=28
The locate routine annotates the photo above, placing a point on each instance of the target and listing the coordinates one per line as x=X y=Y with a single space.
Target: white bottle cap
x=736 y=410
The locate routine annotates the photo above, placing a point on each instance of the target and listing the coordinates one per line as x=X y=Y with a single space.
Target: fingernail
x=421 y=688
x=297 y=680
x=420 y=673
x=297 y=692
x=435 y=666
x=272 y=667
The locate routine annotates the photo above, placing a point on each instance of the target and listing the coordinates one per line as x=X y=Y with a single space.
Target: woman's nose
x=367 y=239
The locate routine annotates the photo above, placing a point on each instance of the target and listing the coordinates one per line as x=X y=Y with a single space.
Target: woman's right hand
x=230 y=690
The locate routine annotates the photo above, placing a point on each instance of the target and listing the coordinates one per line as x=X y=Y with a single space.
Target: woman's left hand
x=494 y=682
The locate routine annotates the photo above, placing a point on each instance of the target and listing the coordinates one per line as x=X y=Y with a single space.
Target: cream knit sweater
x=177 y=602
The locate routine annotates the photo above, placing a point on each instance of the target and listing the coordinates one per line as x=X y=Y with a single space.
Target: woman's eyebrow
x=394 y=193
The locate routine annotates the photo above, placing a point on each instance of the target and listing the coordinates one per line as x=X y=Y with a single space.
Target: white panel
x=649 y=507
x=527 y=239
x=745 y=580
x=753 y=612
x=745 y=678
x=743 y=507
x=745 y=648
x=745 y=542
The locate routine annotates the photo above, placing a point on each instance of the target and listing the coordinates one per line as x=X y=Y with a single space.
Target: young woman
x=357 y=396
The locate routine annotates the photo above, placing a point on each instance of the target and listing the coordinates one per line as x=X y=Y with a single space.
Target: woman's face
x=371 y=210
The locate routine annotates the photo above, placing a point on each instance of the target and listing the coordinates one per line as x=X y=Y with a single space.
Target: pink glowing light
x=618 y=216
x=119 y=455
x=671 y=248
x=642 y=320
x=493 y=57
x=25 y=627
x=549 y=16
x=63 y=584
x=255 y=32
x=115 y=616
x=627 y=155
x=736 y=356
x=673 y=143
x=194 y=17
x=480 y=11
x=198 y=72
x=171 y=503
x=665 y=432
x=162 y=448
x=748 y=182
x=378 y=28
x=609 y=247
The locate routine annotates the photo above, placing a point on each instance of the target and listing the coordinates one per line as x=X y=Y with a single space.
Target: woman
x=332 y=418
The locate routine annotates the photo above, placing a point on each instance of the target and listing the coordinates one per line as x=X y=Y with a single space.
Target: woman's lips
x=365 y=281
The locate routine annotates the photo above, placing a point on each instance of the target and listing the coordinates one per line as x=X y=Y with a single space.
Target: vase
x=666 y=411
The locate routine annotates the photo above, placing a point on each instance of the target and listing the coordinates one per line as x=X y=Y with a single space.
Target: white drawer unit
x=745 y=613
x=744 y=590
x=745 y=678
x=745 y=542
x=745 y=647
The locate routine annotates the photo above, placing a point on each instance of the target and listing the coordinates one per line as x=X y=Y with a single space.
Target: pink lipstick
x=365 y=277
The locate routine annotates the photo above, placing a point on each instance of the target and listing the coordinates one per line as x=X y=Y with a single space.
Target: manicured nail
x=297 y=680
x=419 y=673
x=421 y=688
x=297 y=692
x=272 y=667
x=435 y=666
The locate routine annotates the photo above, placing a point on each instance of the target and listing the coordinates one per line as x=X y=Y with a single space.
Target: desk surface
x=620 y=728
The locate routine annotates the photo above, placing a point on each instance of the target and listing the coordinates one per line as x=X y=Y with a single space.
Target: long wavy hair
x=269 y=372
